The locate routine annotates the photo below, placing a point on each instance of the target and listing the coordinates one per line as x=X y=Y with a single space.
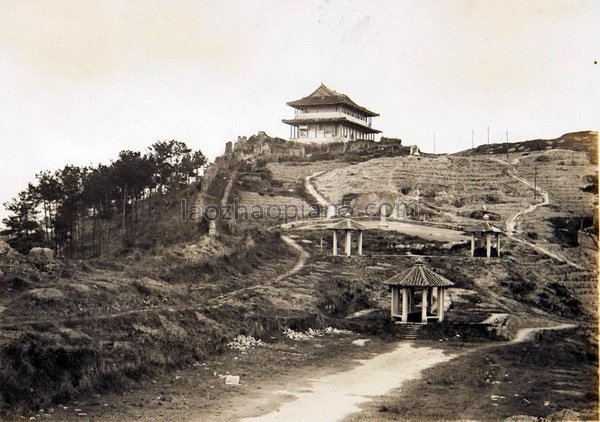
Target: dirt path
x=527 y=334
x=301 y=258
x=300 y=263
x=335 y=396
x=511 y=223
x=225 y=197
x=321 y=200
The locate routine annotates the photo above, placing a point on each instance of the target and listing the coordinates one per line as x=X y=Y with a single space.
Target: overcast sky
x=80 y=81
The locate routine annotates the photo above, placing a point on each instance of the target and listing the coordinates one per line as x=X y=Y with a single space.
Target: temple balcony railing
x=330 y=115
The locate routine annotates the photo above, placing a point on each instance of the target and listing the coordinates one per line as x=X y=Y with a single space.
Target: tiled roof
x=418 y=276
x=347 y=224
x=484 y=227
x=325 y=96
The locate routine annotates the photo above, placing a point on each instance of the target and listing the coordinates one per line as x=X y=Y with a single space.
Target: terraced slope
x=290 y=173
x=454 y=188
x=566 y=176
x=447 y=188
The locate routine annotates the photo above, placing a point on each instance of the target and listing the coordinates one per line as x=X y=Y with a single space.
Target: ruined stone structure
x=328 y=116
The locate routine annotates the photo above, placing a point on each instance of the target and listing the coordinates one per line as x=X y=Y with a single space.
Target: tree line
x=68 y=207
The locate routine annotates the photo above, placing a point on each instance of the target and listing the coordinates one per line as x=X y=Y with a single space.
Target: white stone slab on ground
x=232 y=380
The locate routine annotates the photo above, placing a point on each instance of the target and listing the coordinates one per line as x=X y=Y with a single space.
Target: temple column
x=472 y=245
x=348 y=243
x=488 y=245
x=424 y=305
x=334 y=243
x=440 y=304
x=360 y=240
x=405 y=304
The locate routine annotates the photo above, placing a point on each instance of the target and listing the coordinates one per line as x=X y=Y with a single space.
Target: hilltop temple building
x=328 y=116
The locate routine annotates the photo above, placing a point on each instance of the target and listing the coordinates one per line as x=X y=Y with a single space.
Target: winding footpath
x=302 y=258
x=321 y=200
x=511 y=223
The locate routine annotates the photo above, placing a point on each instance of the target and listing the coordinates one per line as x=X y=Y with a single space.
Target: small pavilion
x=485 y=239
x=432 y=286
x=347 y=226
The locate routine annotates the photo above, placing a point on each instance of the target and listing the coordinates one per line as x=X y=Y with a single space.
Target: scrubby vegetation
x=141 y=291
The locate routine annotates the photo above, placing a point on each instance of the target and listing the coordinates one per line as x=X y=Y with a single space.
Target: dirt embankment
x=69 y=329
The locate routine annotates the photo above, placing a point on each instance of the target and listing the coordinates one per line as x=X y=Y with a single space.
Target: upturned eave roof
x=325 y=96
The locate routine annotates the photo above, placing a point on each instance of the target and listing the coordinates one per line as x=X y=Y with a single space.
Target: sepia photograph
x=299 y=211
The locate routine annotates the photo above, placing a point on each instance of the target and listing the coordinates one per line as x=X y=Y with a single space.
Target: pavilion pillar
x=360 y=240
x=424 y=305
x=405 y=304
x=488 y=245
x=472 y=245
x=498 y=244
x=430 y=297
x=383 y=216
x=394 y=301
x=334 y=243
x=348 y=243
x=440 y=304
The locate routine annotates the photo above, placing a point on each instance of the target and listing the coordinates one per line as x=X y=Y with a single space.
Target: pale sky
x=81 y=80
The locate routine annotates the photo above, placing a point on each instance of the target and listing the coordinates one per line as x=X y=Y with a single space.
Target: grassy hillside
x=444 y=188
x=170 y=295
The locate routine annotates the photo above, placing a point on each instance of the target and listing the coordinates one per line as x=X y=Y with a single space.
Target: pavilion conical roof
x=484 y=227
x=347 y=224
x=418 y=276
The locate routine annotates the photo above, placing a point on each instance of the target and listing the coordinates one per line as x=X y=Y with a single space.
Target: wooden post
x=348 y=243
x=472 y=245
x=360 y=239
x=334 y=243
x=405 y=304
x=424 y=305
x=440 y=304
x=488 y=245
